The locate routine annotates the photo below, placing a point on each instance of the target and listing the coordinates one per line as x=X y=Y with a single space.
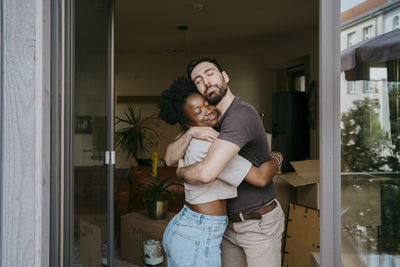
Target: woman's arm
x=264 y=174
x=176 y=150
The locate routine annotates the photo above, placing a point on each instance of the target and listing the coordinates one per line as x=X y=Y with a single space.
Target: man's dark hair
x=173 y=99
x=192 y=64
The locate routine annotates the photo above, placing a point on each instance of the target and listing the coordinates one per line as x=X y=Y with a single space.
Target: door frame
x=56 y=147
x=62 y=125
x=1 y=122
x=329 y=119
x=110 y=139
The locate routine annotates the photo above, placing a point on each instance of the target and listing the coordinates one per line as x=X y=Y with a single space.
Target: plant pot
x=158 y=209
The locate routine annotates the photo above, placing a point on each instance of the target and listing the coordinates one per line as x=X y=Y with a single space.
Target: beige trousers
x=254 y=243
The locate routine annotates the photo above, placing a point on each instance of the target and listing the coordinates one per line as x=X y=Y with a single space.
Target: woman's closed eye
x=197 y=111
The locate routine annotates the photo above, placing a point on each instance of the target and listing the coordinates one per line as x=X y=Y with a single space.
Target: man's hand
x=203 y=133
x=181 y=164
x=219 y=155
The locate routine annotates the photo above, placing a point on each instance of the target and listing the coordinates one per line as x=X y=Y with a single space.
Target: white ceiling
x=150 y=26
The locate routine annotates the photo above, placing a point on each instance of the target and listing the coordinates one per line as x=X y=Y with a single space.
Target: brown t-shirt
x=241 y=125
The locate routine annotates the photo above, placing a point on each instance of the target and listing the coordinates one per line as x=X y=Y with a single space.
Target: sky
x=347 y=4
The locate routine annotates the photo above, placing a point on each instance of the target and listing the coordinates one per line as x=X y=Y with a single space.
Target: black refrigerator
x=290 y=127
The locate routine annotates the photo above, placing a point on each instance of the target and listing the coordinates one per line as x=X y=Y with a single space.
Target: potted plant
x=137 y=134
x=156 y=193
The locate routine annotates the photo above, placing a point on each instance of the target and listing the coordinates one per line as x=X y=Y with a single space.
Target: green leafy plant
x=363 y=140
x=138 y=133
x=157 y=189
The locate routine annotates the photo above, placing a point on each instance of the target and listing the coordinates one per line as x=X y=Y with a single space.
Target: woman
x=194 y=235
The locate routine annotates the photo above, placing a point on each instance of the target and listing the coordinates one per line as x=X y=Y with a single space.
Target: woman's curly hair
x=173 y=99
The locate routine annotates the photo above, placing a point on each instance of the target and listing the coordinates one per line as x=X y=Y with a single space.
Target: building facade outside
x=370 y=140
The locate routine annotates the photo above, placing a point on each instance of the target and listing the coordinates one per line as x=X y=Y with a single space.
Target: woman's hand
x=278 y=158
x=203 y=133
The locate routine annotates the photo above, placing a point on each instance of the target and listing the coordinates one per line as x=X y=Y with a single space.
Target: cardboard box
x=137 y=227
x=90 y=244
x=285 y=193
x=315 y=261
x=302 y=236
x=303 y=184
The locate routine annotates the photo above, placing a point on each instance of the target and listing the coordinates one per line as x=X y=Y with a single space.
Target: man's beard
x=215 y=97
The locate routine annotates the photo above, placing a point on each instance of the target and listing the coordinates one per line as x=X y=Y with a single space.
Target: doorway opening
x=153 y=44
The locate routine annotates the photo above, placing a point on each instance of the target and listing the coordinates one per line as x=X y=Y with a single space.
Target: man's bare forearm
x=176 y=150
x=195 y=174
x=219 y=155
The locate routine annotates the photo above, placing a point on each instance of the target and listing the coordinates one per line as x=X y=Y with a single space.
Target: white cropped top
x=225 y=186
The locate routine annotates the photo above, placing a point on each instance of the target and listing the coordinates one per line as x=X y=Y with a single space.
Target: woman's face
x=199 y=112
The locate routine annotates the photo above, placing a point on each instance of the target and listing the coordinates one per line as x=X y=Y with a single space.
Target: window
x=370 y=140
x=370 y=86
x=300 y=83
x=351 y=87
x=365 y=85
x=298 y=74
x=367 y=33
x=395 y=23
x=351 y=38
x=370 y=151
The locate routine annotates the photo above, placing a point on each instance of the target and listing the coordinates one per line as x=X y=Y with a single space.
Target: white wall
x=375 y=22
x=388 y=19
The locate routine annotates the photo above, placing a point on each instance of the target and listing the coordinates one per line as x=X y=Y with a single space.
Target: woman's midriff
x=213 y=208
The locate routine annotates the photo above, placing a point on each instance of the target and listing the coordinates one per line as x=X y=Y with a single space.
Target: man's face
x=210 y=82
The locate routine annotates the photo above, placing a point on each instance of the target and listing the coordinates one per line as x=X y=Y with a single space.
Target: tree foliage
x=364 y=143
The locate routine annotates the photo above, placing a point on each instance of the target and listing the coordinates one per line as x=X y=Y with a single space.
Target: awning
x=383 y=50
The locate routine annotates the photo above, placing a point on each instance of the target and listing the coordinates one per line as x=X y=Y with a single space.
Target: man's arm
x=220 y=154
x=264 y=174
x=176 y=150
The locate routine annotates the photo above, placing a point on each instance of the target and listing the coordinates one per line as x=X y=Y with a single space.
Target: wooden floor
x=120 y=263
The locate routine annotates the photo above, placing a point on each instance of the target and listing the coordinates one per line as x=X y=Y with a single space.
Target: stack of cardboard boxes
x=301 y=187
x=136 y=227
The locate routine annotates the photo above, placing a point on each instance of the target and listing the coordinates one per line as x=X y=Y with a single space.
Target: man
x=256 y=220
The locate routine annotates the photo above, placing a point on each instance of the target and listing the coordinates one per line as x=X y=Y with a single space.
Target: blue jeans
x=193 y=239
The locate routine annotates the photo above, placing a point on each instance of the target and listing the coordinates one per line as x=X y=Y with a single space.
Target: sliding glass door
x=89 y=183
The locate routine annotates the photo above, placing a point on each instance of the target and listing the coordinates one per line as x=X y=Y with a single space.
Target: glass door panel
x=370 y=135
x=91 y=115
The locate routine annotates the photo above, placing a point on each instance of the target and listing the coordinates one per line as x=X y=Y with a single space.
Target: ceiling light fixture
x=183 y=29
x=198 y=7
x=182 y=50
